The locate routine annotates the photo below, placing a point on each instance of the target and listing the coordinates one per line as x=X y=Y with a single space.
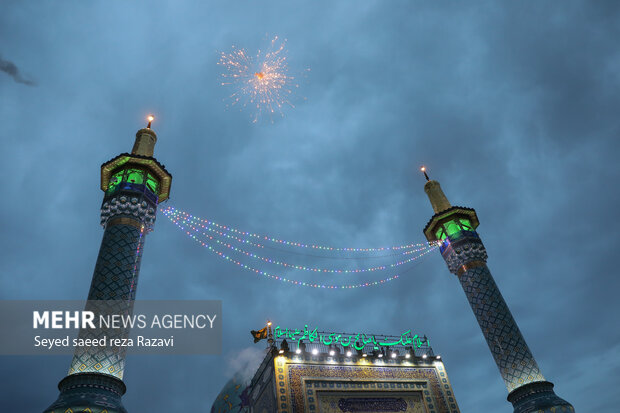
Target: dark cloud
x=513 y=108
x=11 y=69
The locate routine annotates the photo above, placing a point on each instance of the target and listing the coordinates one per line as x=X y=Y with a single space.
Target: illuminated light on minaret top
x=133 y=185
x=462 y=249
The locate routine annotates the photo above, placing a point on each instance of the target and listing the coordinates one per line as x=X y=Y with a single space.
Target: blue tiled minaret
x=466 y=257
x=133 y=185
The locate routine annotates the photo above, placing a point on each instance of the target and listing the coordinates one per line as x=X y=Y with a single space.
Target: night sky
x=514 y=108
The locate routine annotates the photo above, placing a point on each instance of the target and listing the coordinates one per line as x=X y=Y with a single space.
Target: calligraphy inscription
x=388 y=404
x=357 y=341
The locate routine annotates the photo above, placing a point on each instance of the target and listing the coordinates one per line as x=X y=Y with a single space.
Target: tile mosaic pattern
x=266 y=402
x=343 y=396
x=296 y=383
x=135 y=206
x=508 y=347
x=115 y=278
x=83 y=410
x=538 y=397
x=510 y=351
x=89 y=393
x=466 y=257
x=464 y=250
x=118 y=264
x=558 y=409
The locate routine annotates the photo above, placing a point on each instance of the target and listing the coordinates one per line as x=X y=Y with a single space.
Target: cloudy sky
x=513 y=108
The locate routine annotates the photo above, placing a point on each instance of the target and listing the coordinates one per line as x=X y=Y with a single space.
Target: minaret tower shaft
x=133 y=185
x=454 y=228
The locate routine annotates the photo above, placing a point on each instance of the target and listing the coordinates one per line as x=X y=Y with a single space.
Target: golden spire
x=435 y=194
x=145 y=140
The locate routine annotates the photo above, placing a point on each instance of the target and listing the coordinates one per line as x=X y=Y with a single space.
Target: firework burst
x=261 y=82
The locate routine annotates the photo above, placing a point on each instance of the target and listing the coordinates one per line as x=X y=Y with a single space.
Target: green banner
x=357 y=341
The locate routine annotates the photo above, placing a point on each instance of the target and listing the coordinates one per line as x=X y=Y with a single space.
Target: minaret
x=460 y=246
x=133 y=185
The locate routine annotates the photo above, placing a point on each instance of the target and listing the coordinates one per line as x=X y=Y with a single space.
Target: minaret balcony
x=138 y=189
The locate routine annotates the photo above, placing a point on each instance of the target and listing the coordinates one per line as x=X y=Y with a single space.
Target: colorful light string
x=171 y=211
x=180 y=223
x=183 y=220
x=288 y=280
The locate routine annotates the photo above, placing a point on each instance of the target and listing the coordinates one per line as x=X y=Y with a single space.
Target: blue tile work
x=512 y=355
x=118 y=264
x=466 y=257
x=416 y=393
x=115 y=278
x=266 y=402
x=136 y=204
x=127 y=217
x=126 y=220
x=538 y=397
x=298 y=381
x=89 y=393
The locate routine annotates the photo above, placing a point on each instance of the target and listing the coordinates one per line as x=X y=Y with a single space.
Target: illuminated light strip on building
x=284 y=279
x=301 y=267
x=173 y=211
x=357 y=341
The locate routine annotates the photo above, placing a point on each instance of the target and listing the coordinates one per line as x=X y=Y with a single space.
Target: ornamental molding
x=463 y=251
x=137 y=208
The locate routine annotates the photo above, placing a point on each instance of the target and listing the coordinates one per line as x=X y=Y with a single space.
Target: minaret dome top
x=435 y=194
x=145 y=140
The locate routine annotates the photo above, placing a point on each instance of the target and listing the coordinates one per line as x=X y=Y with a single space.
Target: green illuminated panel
x=115 y=180
x=358 y=341
x=466 y=224
x=441 y=234
x=152 y=184
x=135 y=176
x=452 y=228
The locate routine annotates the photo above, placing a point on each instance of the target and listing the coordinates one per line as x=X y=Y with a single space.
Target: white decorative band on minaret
x=130 y=206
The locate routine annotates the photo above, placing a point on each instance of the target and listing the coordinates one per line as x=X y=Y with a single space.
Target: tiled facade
x=512 y=355
x=115 y=278
x=299 y=383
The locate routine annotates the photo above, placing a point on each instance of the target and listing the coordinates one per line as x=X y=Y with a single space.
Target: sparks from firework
x=261 y=82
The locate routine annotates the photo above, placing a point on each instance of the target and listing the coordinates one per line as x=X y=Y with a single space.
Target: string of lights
x=175 y=218
x=173 y=212
x=220 y=233
x=338 y=257
x=180 y=223
x=285 y=279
